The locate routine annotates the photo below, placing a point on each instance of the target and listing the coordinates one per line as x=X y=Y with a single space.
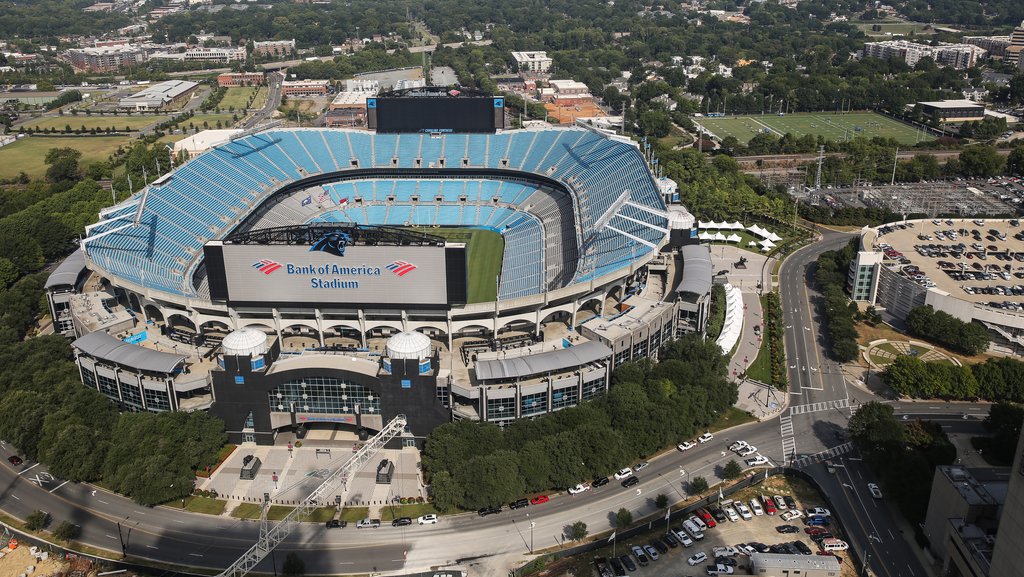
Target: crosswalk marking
x=788 y=441
x=807 y=460
x=819 y=406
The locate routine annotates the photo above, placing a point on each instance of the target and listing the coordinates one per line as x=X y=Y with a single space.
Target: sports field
x=485 y=251
x=835 y=127
x=28 y=153
x=131 y=122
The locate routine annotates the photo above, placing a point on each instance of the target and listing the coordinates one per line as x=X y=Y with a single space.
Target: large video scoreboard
x=435 y=114
x=360 y=277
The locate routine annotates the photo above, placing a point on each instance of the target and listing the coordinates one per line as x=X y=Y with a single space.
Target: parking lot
x=742 y=535
x=975 y=260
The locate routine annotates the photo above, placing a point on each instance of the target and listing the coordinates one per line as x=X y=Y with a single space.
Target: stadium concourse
x=288 y=279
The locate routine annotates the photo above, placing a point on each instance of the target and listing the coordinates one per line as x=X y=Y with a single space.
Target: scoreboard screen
x=435 y=114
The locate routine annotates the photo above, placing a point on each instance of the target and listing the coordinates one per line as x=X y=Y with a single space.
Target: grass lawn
x=132 y=122
x=353 y=514
x=485 y=251
x=261 y=99
x=204 y=505
x=246 y=511
x=731 y=418
x=210 y=119
x=27 y=154
x=237 y=97
x=890 y=28
x=836 y=127
x=414 y=510
x=760 y=369
x=278 y=512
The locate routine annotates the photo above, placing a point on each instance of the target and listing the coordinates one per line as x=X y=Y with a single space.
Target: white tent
x=702 y=224
x=751 y=243
x=733 y=225
x=767 y=244
x=733 y=319
x=706 y=236
x=774 y=237
x=765 y=249
x=757 y=231
x=733 y=238
x=719 y=236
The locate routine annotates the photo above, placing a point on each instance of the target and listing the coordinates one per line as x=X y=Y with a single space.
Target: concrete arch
x=347 y=325
x=153 y=313
x=214 y=326
x=523 y=325
x=469 y=329
x=134 y=303
x=260 y=326
x=306 y=323
x=181 y=320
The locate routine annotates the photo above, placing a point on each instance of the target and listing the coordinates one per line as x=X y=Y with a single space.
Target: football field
x=836 y=127
x=485 y=250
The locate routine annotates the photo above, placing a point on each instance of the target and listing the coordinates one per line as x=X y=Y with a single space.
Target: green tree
x=66 y=531
x=293 y=565
x=1015 y=161
x=36 y=520
x=698 y=485
x=578 y=531
x=874 y=427
x=731 y=470
x=1004 y=424
x=980 y=161
x=623 y=518
x=62 y=165
x=445 y=493
x=661 y=501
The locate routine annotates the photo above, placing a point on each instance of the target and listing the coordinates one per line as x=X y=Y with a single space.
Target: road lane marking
x=151 y=546
x=16 y=497
x=29 y=469
x=109 y=535
x=59 y=486
x=195 y=554
x=102 y=501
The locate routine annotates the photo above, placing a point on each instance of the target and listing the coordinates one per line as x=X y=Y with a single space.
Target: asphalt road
x=813 y=424
x=274 y=80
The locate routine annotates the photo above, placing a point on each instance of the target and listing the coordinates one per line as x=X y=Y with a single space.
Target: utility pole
x=895 y=158
x=821 y=160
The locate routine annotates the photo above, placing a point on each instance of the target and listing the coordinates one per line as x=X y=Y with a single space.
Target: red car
x=706 y=517
x=769 y=505
x=14 y=460
x=539 y=499
x=815 y=530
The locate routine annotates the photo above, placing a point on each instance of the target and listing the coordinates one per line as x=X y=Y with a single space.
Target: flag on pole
x=612 y=538
x=720 y=496
x=668 y=513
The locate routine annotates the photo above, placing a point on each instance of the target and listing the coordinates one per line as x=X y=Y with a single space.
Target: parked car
x=819 y=512
x=817 y=520
x=640 y=466
x=787 y=529
x=756 y=461
x=428 y=519
x=756 y=507
x=336 y=524
x=368 y=524
x=814 y=530
x=875 y=491
x=660 y=545
x=671 y=540
x=601 y=482
x=731 y=513
x=579 y=489
x=744 y=511
x=723 y=560
x=623 y=473
x=724 y=551
x=705 y=438
x=706 y=516
x=630 y=481
x=769 y=505
x=627 y=563
x=485 y=511
x=802 y=547
x=519 y=504
x=697 y=558
x=641 y=557
x=719 y=569
x=780 y=503
x=401 y=522
x=686 y=445
x=792 y=514
x=539 y=499
x=684 y=538
x=15 y=460
x=652 y=553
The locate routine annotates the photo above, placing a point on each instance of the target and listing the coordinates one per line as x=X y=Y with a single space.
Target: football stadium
x=295 y=278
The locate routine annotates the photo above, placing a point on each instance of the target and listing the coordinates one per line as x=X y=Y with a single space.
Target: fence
x=685 y=512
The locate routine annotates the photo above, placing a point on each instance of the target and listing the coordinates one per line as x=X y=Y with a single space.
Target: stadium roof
x=101 y=345
x=696 y=270
x=539 y=363
x=68 y=271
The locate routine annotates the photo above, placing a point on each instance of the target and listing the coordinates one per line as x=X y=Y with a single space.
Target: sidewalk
x=756 y=398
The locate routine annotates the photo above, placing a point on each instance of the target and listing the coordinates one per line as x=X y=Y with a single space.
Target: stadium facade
x=289 y=278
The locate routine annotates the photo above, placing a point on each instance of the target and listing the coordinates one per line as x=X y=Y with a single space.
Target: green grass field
x=78 y=121
x=27 y=154
x=237 y=97
x=210 y=120
x=835 y=127
x=486 y=249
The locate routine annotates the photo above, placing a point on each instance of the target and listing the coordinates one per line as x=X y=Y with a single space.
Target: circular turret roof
x=409 y=345
x=245 y=342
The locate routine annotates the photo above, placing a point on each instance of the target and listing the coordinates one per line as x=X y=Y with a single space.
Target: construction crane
x=272 y=535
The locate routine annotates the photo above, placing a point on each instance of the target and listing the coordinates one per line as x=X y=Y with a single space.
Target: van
x=698 y=522
x=834 y=545
x=693 y=529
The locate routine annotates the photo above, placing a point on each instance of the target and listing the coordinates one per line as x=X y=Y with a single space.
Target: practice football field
x=835 y=127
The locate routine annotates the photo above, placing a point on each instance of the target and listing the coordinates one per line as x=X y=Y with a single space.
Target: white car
x=640 y=466
x=720 y=569
x=705 y=438
x=683 y=537
x=651 y=552
x=738 y=445
x=746 y=451
x=724 y=551
x=780 y=503
x=819 y=512
x=731 y=513
x=623 y=473
x=686 y=445
x=790 y=515
x=579 y=489
x=697 y=558
x=744 y=511
x=875 y=491
x=746 y=549
x=755 y=506
x=758 y=460
x=428 y=519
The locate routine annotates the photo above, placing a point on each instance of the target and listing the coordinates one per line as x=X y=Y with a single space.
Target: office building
x=1008 y=556
x=229 y=79
x=532 y=61
x=276 y=48
x=955 y=55
x=224 y=55
x=953 y=110
x=157 y=96
x=305 y=87
x=105 y=58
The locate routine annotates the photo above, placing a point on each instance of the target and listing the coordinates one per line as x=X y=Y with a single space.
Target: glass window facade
x=562 y=398
x=593 y=389
x=108 y=387
x=88 y=378
x=501 y=408
x=131 y=395
x=534 y=404
x=622 y=357
x=156 y=400
x=323 y=395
